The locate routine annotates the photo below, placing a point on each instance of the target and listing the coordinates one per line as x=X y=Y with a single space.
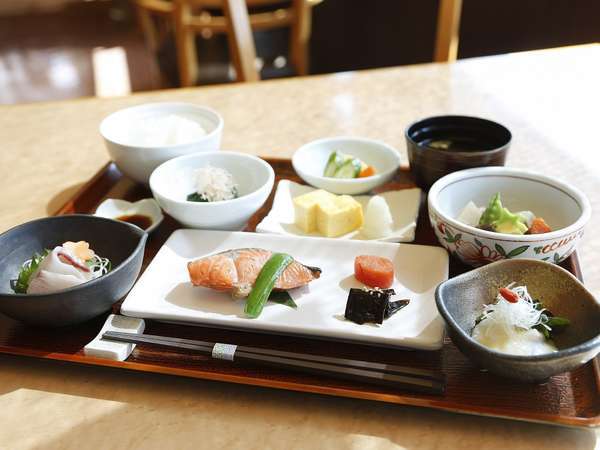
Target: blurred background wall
x=49 y=48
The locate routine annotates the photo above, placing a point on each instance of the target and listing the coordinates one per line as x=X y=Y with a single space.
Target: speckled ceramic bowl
x=460 y=301
x=123 y=244
x=565 y=208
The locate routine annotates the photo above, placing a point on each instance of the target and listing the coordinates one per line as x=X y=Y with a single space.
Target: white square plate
x=404 y=207
x=164 y=291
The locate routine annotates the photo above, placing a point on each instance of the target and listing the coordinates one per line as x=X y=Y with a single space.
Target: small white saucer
x=113 y=208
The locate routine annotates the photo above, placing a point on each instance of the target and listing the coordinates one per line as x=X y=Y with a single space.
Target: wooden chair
x=190 y=19
x=155 y=18
x=448 y=27
x=187 y=18
x=239 y=24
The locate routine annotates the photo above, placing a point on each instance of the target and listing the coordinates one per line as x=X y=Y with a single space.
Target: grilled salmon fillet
x=236 y=271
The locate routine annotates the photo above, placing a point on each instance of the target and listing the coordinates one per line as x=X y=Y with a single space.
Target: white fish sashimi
x=378 y=219
x=53 y=274
x=471 y=214
x=47 y=282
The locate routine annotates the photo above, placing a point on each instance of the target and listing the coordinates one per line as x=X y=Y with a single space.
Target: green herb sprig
x=195 y=197
x=549 y=323
x=283 y=298
x=22 y=282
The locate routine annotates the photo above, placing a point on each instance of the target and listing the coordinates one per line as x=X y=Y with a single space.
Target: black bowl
x=440 y=145
x=123 y=244
x=460 y=301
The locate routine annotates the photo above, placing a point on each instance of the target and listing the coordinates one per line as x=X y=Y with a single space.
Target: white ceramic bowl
x=309 y=162
x=138 y=161
x=565 y=208
x=174 y=180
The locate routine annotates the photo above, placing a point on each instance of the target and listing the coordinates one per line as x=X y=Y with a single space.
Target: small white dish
x=164 y=291
x=114 y=208
x=174 y=180
x=309 y=162
x=404 y=207
x=138 y=161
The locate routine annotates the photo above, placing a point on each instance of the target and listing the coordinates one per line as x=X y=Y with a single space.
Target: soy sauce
x=140 y=220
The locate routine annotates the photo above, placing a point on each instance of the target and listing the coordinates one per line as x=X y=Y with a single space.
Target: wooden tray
x=570 y=399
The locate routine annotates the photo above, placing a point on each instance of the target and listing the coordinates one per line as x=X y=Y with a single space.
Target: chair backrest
x=448 y=27
x=241 y=41
x=238 y=23
x=146 y=10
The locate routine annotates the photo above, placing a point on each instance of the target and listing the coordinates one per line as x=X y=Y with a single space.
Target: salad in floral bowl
x=487 y=214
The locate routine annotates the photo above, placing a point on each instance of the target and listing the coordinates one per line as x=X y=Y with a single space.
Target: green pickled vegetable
x=265 y=282
x=336 y=159
x=350 y=169
x=500 y=219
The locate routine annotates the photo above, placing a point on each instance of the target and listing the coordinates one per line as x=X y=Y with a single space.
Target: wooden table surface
x=549 y=100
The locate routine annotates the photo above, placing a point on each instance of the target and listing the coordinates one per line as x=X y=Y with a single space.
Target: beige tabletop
x=548 y=99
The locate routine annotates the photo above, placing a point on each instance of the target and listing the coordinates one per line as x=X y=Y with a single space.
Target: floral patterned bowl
x=565 y=208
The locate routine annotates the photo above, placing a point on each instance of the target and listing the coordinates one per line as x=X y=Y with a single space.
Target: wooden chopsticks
x=402 y=377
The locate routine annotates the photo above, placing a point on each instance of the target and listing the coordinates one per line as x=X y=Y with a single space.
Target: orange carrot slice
x=374 y=271
x=367 y=171
x=539 y=226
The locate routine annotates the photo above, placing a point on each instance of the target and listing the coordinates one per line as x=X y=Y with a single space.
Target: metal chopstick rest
x=377 y=373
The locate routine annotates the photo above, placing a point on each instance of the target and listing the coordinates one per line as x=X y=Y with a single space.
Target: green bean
x=265 y=282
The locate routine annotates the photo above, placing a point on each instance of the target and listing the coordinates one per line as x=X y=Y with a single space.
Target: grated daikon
x=378 y=218
x=214 y=184
x=508 y=327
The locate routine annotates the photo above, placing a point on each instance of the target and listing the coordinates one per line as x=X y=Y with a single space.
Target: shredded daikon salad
x=522 y=315
x=98 y=265
x=213 y=184
x=517 y=324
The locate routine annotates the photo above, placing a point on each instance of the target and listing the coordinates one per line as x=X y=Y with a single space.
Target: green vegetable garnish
x=550 y=324
x=195 y=197
x=283 y=298
x=265 y=282
x=500 y=219
x=22 y=283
